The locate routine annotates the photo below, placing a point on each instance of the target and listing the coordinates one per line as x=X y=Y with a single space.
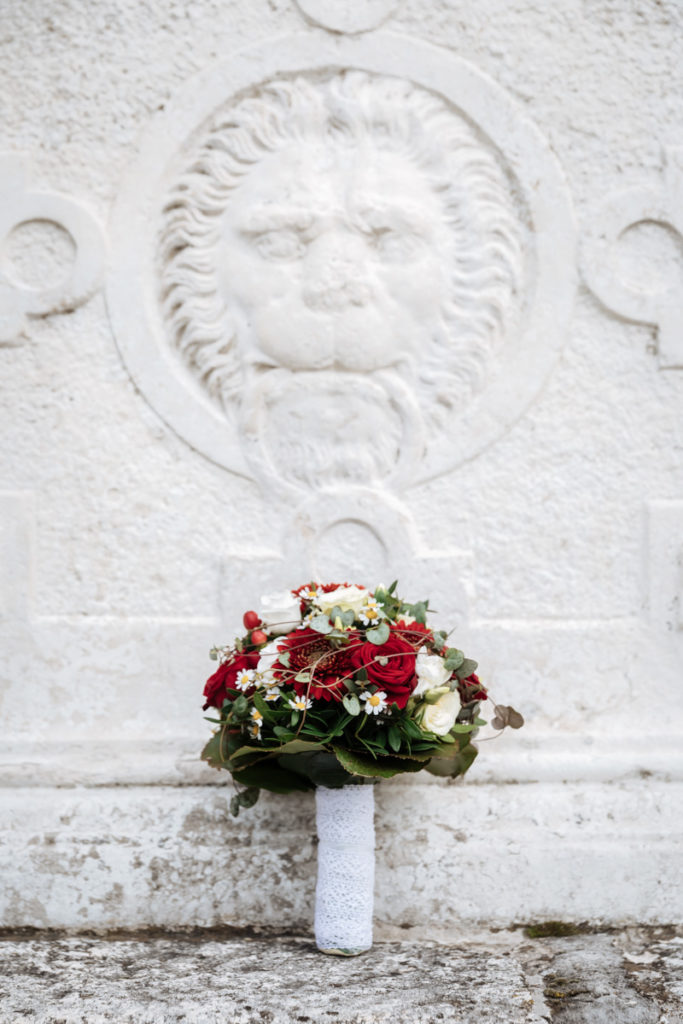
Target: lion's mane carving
x=350 y=108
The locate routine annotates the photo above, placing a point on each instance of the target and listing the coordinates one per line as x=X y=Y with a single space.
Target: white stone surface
x=126 y=552
x=632 y=977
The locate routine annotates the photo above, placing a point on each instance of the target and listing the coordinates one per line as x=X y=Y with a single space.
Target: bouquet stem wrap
x=346 y=869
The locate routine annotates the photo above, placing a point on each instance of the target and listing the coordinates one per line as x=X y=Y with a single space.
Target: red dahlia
x=328 y=664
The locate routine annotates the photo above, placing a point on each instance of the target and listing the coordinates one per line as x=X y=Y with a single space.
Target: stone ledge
x=627 y=976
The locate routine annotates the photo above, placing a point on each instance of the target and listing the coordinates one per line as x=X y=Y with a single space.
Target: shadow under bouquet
x=333 y=684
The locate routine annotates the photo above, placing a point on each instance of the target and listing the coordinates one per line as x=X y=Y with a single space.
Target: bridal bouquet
x=334 y=684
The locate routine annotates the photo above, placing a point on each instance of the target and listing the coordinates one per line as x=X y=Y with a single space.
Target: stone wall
x=364 y=291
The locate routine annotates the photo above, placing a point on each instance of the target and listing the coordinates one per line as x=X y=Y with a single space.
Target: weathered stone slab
x=497 y=979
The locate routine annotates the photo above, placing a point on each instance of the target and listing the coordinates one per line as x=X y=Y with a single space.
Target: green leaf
x=248 y=797
x=394 y=737
x=479 y=721
x=453 y=766
x=272 y=776
x=320 y=767
x=241 y=707
x=283 y=658
x=392 y=588
x=368 y=767
x=380 y=739
x=352 y=704
x=420 y=611
x=453 y=659
x=466 y=669
x=412 y=729
x=379 y=634
x=303 y=677
x=348 y=617
x=462 y=727
x=235 y=805
x=266 y=710
x=321 y=624
x=214 y=751
x=282 y=733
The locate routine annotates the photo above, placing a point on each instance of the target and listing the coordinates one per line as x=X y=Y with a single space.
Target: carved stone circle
x=341 y=274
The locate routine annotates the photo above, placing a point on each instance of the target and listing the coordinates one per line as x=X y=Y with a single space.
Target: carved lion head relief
x=342 y=224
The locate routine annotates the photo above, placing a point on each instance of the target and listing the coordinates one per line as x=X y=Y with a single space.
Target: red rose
x=397 y=675
x=223 y=679
x=330 y=666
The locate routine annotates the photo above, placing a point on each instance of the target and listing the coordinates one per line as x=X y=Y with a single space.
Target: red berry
x=251 y=620
x=258 y=637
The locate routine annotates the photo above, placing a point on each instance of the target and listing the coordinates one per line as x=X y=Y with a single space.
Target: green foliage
x=454 y=659
x=453 y=760
x=378 y=634
x=394 y=736
x=319 y=767
x=272 y=776
x=352 y=704
x=321 y=624
x=240 y=708
x=466 y=669
x=378 y=767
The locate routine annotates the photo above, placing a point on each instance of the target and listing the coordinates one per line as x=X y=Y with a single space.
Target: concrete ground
x=624 y=976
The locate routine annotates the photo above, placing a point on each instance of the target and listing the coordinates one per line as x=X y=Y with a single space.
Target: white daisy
x=245 y=679
x=370 y=614
x=374 y=702
x=272 y=693
x=309 y=593
x=300 y=703
x=256 y=716
x=306 y=621
x=255 y=730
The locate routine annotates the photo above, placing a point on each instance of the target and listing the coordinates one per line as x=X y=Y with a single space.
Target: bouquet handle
x=346 y=869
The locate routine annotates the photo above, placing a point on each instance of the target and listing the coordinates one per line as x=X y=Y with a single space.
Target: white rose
x=431 y=672
x=267 y=660
x=440 y=717
x=280 y=613
x=347 y=598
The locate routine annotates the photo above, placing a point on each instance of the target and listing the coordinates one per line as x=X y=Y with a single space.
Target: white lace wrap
x=346 y=868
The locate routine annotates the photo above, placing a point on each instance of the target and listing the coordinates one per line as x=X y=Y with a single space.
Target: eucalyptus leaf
x=379 y=634
x=352 y=704
x=467 y=668
x=283 y=658
x=321 y=623
x=348 y=617
x=420 y=611
x=241 y=707
x=453 y=659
